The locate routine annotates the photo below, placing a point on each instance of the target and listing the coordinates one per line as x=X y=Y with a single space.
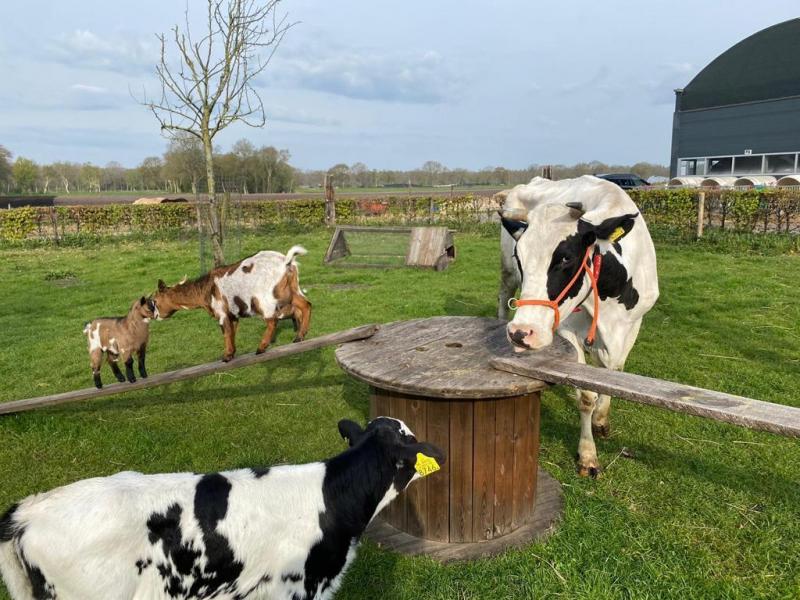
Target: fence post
x=330 y=204
x=701 y=209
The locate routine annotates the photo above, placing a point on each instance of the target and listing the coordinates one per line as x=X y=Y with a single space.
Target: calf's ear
x=412 y=452
x=350 y=430
x=161 y=285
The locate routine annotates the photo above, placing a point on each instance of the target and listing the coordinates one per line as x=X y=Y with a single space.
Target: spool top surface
x=442 y=357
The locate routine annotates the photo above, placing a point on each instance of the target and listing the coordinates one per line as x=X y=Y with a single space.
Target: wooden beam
x=738 y=410
x=340 y=337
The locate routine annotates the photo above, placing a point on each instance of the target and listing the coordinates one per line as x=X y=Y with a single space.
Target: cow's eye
x=565 y=260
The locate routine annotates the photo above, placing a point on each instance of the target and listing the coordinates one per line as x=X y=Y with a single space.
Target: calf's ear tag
x=616 y=234
x=426 y=465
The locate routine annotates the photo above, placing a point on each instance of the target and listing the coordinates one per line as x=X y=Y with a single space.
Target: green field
x=698 y=510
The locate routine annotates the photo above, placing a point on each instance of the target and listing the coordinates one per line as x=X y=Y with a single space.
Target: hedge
x=666 y=210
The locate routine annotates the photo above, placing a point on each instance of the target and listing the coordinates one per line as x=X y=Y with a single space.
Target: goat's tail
x=87 y=328
x=294 y=251
x=11 y=567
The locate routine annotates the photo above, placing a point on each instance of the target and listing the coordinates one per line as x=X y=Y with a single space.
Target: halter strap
x=592 y=269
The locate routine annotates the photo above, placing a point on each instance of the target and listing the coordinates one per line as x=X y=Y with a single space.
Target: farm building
x=740 y=116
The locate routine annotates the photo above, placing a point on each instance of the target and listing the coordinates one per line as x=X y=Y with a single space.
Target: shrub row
x=674 y=210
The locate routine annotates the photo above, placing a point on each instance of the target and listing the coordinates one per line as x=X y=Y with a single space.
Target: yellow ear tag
x=616 y=234
x=426 y=465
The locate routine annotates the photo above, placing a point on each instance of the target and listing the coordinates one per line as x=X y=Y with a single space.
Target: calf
x=265 y=284
x=119 y=338
x=287 y=532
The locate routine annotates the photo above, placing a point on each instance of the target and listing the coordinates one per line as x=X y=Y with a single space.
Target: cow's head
x=397 y=445
x=550 y=251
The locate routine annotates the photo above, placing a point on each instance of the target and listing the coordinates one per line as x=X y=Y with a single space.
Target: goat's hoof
x=227 y=358
x=98 y=385
x=601 y=431
x=131 y=379
x=261 y=351
x=589 y=470
x=297 y=339
x=120 y=378
x=143 y=374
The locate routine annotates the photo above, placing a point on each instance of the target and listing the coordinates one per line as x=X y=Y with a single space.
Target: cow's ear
x=611 y=229
x=350 y=430
x=161 y=285
x=514 y=228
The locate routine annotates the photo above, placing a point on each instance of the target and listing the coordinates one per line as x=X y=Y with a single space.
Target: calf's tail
x=294 y=251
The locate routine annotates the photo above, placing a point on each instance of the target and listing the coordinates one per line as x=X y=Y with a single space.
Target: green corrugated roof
x=764 y=66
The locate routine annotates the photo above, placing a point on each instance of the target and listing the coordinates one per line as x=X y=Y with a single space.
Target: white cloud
x=297 y=116
x=421 y=78
x=122 y=53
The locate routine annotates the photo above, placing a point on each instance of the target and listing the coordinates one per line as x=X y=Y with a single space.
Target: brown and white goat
x=119 y=338
x=266 y=285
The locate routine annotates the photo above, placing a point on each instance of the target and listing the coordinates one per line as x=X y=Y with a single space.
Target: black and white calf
x=285 y=532
x=550 y=230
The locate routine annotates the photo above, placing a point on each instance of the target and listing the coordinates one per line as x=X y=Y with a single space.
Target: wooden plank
x=438 y=485
x=416 y=494
x=461 y=471
x=503 y=465
x=525 y=461
x=340 y=337
x=737 y=410
x=365 y=229
x=337 y=248
x=426 y=245
x=483 y=470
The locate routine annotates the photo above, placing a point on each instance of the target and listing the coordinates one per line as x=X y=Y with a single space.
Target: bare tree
x=212 y=83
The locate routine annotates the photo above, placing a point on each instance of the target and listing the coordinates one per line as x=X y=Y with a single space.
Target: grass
x=699 y=510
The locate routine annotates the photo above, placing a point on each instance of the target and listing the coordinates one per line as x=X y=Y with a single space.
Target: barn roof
x=764 y=66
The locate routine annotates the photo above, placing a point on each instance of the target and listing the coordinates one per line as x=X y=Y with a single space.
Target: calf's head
x=397 y=446
x=165 y=305
x=550 y=251
x=144 y=309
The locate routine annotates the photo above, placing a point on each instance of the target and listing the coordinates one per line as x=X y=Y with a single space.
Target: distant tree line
x=248 y=169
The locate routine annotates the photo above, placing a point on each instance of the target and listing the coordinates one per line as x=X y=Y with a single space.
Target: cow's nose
x=522 y=337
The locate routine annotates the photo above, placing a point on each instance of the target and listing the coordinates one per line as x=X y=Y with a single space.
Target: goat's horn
x=185 y=278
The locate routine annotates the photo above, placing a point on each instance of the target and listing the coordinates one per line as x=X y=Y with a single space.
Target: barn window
x=692 y=166
x=720 y=166
x=780 y=163
x=748 y=165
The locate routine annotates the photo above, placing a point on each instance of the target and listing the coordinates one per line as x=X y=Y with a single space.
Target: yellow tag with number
x=426 y=465
x=616 y=234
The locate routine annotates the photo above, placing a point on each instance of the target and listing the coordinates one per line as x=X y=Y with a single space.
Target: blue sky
x=391 y=84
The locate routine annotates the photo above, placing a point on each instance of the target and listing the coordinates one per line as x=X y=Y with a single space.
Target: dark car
x=627 y=181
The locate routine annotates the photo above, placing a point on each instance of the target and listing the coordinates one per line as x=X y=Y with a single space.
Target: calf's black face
x=397 y=443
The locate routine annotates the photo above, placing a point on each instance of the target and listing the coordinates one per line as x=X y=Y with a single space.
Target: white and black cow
x=549 y=229
x=285 y=532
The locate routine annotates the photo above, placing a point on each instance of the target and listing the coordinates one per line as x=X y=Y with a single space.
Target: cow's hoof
x=601 y=431
x=590 y=470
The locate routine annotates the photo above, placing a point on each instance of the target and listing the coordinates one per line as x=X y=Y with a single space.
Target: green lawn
x=701 y=510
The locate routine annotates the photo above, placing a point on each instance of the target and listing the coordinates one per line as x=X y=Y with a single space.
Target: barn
x=740 y=116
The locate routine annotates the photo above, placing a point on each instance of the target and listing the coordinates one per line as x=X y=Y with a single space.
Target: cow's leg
x=269 y=334
x=587 y=462
x=617 y=345
x=113 y=361
x=229 y=334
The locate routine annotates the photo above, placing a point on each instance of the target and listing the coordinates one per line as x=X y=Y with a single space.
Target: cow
x=287 y=532
x=557 y=236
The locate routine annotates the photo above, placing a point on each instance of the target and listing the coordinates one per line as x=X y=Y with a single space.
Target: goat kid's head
x=165 y=306
x=144 y=308
x=411 y=459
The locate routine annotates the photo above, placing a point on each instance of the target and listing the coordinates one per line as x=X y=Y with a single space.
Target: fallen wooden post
x=738 y=410
x=349 y=335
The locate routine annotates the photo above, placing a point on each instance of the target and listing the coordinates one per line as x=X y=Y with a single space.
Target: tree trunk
x=215 y=226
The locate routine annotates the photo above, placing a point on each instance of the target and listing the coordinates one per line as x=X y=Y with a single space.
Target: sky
x=391 y=84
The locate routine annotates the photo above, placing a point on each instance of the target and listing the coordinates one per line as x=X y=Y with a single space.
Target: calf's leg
x=141 y=355
x=112 y=361
x=96 y=359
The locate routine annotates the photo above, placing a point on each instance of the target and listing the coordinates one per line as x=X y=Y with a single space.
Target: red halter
x=592 y=269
